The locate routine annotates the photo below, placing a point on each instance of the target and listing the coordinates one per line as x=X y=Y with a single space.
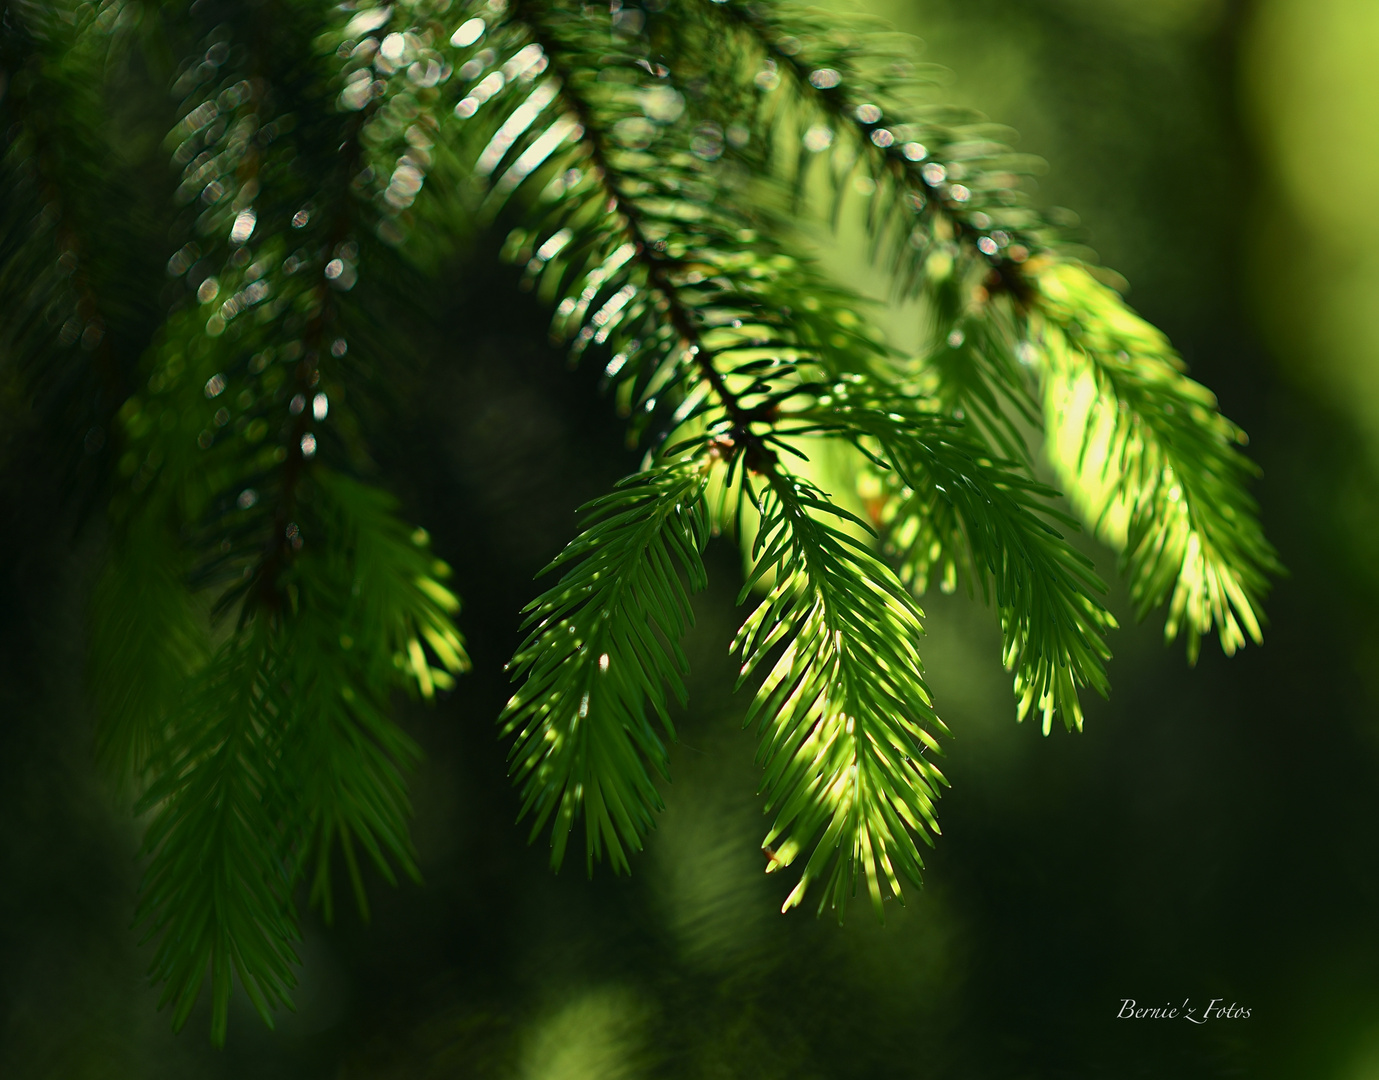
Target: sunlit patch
x=393 y=48
x=243 y=227
x=818 y=138
x=596 y=1035
x=528 y=62
x=367 y=21
x=468 y=33
x=662 y=104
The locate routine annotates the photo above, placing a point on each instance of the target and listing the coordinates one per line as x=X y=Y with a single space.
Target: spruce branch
x=656 y=266
x=673 y=236
x=66 y=294
x=945 y=505
x=603 y=644
x=218 y=892
x=1152 y=463
x=997 y=275
x=332 y=605
x=946 y=207
x=281 y=748
x=643 y=243
x=141 y=667
x=262 y=605
x=650 y=227
x=843 y=714
x=370 y=607
x=843 y=88
x=776 y=346
x=293 y=714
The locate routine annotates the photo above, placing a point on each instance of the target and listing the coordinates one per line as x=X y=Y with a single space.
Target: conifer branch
x=789 y=337
x=767 y=341
x=997 y=275
x=656 y=266
x=942 y=503
x=335 y=605
x=218 y=892
x=261 y=605
x=843 y=714
x=1152 y=463
x=643 y=239
x=603 y=643
x=61 y=297
x=945 y=203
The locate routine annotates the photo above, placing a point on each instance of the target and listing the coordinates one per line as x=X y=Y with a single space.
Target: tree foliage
x=653 y=167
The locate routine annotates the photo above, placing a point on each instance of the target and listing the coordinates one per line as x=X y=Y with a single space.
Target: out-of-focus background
x=1214 y=833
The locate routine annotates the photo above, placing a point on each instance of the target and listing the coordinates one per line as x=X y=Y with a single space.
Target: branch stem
x=656 y=265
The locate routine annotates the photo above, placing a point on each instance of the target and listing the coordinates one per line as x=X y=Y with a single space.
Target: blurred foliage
x=1193 y=842
x=1312 y=98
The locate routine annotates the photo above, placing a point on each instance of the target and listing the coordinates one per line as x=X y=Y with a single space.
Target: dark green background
x=1214 y=833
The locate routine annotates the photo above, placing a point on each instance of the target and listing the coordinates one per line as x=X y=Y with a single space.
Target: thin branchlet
x=656 y=265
